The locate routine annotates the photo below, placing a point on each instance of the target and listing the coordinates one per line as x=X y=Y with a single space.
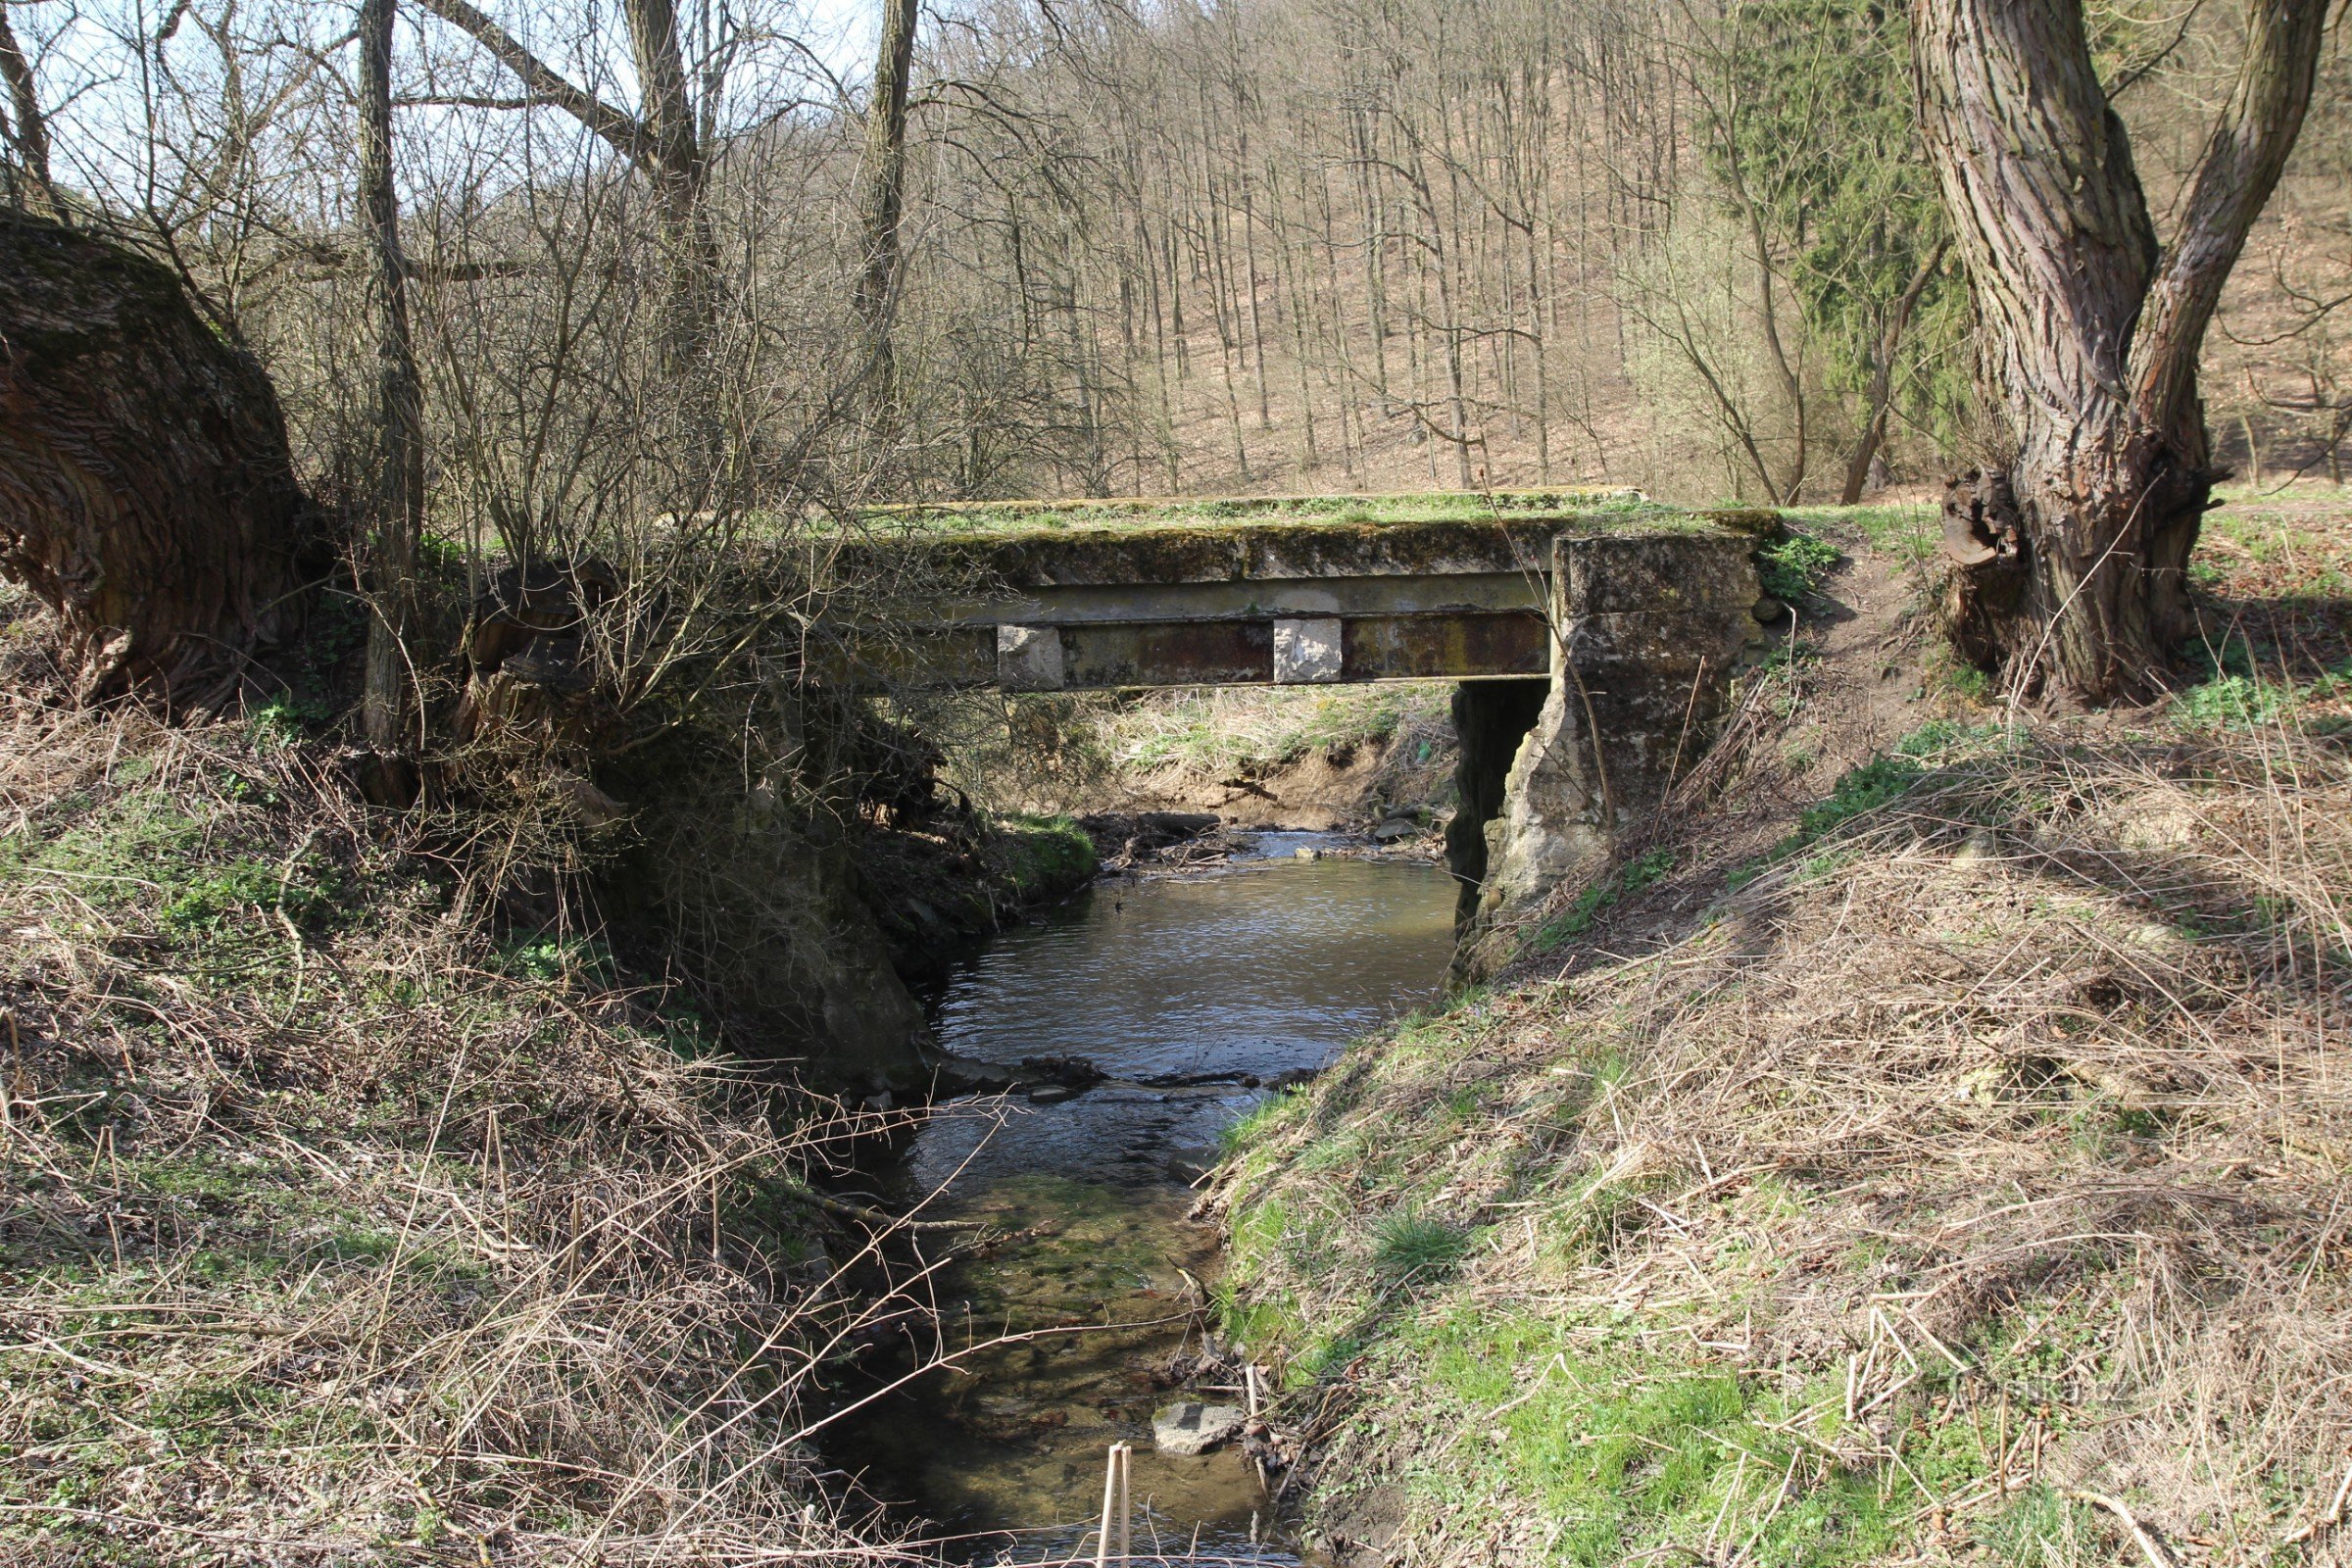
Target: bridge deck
x=1070 y=599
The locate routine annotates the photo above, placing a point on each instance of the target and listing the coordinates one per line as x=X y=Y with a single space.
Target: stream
x=1195 y=992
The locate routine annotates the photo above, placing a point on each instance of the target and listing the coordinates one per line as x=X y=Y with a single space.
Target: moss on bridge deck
x=1027 y=544
x=1178 y=512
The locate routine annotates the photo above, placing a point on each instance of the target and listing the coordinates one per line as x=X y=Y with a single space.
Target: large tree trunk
x=147 y=493
x=676 y=160
x=396 y=494
x=2070 y=563
x=884 y=197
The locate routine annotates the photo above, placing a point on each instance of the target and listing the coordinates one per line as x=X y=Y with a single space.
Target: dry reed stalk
x=389 y=1243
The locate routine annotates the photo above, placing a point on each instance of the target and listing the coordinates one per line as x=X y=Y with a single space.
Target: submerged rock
x=1190 y=1427
x=1072 y=1072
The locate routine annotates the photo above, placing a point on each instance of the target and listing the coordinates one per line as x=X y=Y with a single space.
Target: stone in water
x=1190 y=1427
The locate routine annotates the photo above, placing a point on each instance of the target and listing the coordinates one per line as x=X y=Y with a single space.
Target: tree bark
x=679 y=168
x=2071 y=564
x=395 y=497
x=147 y=493
x=885 y=194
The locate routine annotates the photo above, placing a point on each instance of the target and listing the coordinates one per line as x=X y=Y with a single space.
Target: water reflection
x=1255 y=971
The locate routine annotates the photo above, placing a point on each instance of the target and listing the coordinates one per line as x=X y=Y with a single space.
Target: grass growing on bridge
x=1162 y=512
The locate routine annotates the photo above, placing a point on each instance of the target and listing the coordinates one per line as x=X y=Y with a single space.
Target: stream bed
x=1195 y=992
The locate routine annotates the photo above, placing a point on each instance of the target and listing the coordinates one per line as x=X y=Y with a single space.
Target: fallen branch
x=2151 y=1544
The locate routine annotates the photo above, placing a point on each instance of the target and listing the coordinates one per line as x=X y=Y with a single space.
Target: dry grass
x=1992 y=1147
x=335 y=1230
x=1111 y=751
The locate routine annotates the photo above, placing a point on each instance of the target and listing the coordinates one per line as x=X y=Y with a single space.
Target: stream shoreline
x=1092 y=1055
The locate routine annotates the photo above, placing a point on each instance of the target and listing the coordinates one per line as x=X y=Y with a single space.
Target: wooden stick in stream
x=1126 y=1504
x=1111 y=1494
x=1114 y=1503
x=1249 y=1377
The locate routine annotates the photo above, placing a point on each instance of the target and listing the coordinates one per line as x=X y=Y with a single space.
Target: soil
x=1347 y=786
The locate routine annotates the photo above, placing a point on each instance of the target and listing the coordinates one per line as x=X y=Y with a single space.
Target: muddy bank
x=1350 y=785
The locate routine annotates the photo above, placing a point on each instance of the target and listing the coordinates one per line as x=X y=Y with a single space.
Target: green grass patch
x=1042 y=856
x=553 y=960
x=1909 y=531
x=288 y=720
x=2237 y=694
x=1411 y=1245
x=1020 y=517
x=1792 y=565
x=1623 y=1453
x=1602 y=895
x=1861 y=790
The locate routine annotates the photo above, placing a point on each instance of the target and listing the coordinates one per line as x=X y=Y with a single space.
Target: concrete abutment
x=1649 y=631
x=1490 y=717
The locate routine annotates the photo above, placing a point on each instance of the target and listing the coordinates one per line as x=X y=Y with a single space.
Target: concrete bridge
x=1592 y=639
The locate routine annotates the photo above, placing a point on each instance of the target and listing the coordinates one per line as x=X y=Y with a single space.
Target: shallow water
x=1262 y=968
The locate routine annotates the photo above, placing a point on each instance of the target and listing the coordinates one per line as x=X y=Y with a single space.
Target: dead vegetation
x=1970 y=1179
x=337 y=1229
x=1313 y=757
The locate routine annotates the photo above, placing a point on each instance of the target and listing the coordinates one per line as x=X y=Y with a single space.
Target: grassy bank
x=1941 y=1154
x=1116 y=751
x=338 y=1229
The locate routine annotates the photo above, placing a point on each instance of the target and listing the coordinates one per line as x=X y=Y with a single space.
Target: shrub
x=1411 y=1245
x=1792 y=565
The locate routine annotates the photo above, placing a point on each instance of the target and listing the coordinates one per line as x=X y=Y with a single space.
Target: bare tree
x=662 y=140
x=2072 y=554
x=395 y=494
x=884 y=193
x=25 y=128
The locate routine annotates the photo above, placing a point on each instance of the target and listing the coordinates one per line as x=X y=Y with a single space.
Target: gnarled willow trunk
x=147 y=493
x=2070 y=563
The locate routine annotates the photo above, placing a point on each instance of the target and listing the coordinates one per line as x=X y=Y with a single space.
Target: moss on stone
x=1047 y=544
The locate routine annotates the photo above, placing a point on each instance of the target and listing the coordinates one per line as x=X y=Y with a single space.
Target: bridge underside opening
x=1490 y=718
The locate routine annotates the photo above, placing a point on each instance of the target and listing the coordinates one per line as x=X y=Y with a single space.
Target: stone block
x=1656 y=573
x=1190 y=1427
x=1306 y=652
x=1029 y=658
